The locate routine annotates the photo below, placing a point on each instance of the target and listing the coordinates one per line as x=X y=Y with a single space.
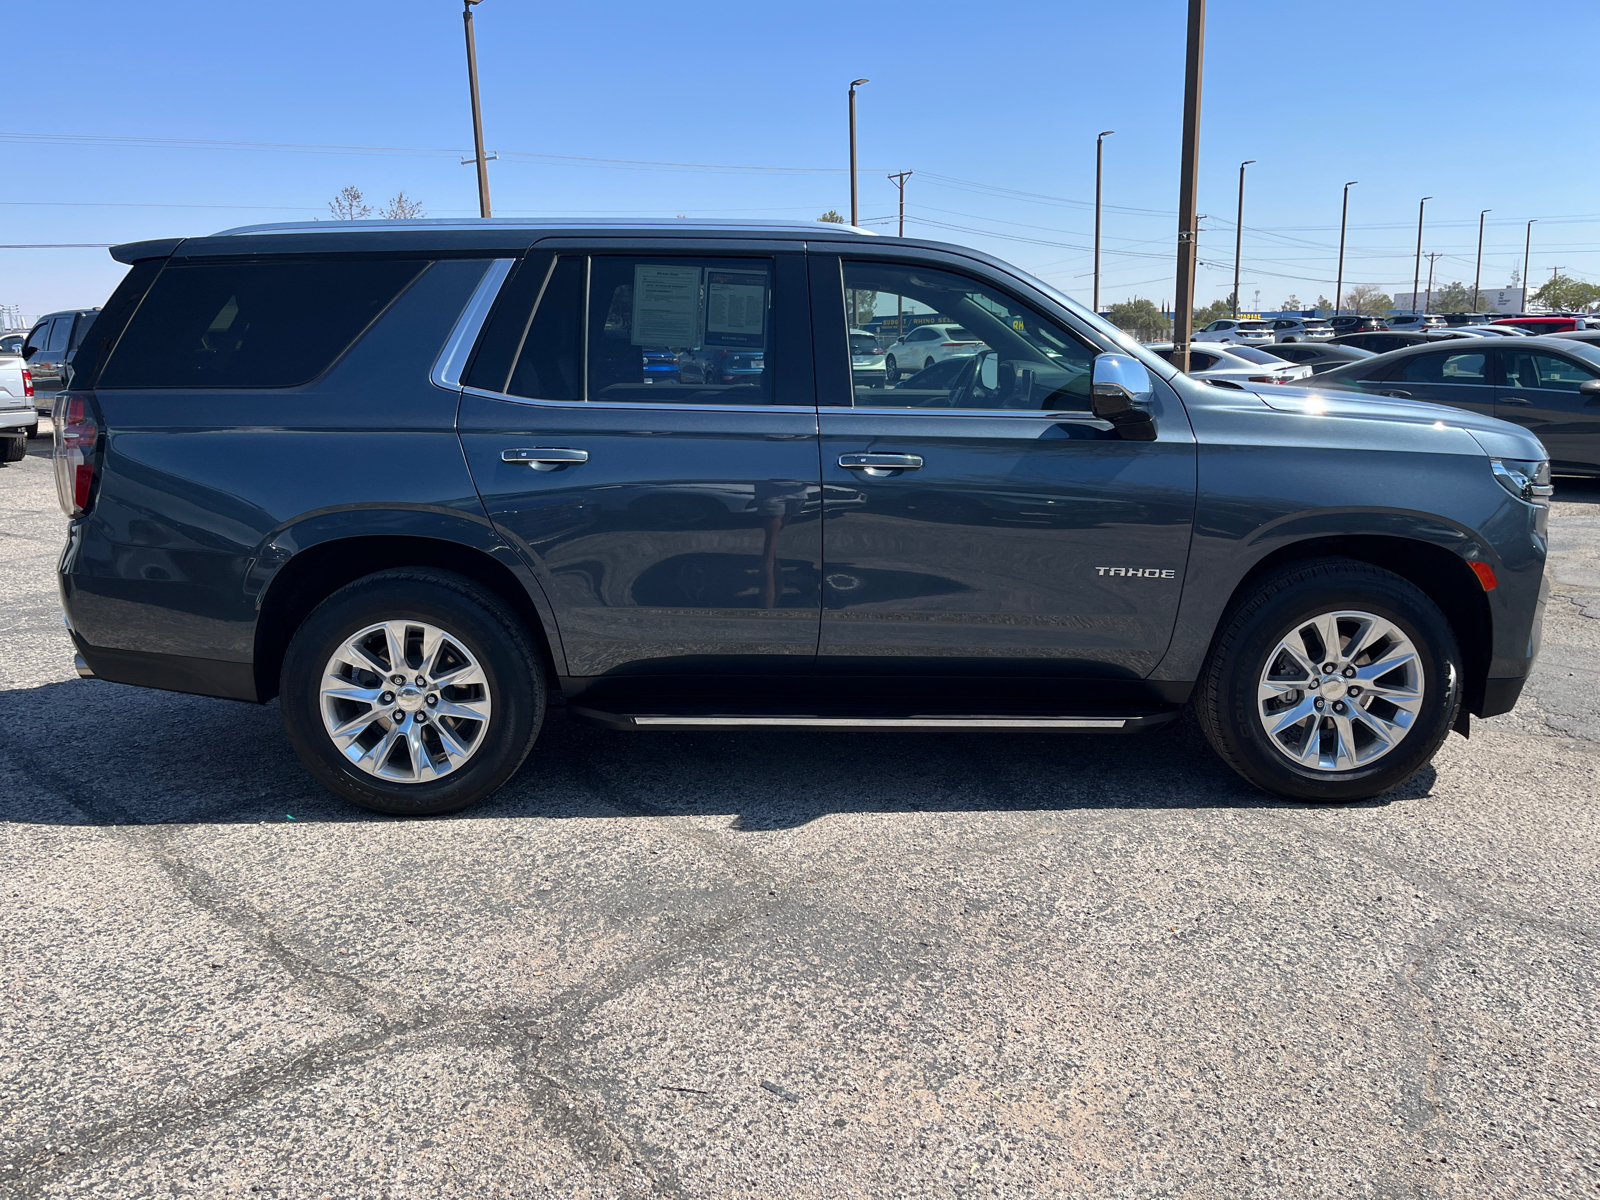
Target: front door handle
x=1513 y=400
x=545 y=458
x=1396 y=395
x=880 y=466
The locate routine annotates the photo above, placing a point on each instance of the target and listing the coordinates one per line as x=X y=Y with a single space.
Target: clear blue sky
x=1475 y=102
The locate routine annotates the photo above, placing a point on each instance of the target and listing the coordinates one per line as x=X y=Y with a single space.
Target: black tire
x=927 y=364
x=13 y=448
x=1225 y=699
x=892 y=369
x=486 y=628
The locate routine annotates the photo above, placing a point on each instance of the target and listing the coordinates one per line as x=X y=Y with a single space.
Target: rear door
x=991 y=526
x=1460 y=377
x=1539 y=390
x=673 y=516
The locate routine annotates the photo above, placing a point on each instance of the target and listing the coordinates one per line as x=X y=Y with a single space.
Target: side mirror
x=1589 y=387
x=988 y=372
x=1116 y=383
x=28 y=352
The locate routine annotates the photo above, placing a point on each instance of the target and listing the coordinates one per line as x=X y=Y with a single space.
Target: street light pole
x=1344 y=217
x=477 y=111
x=1183 y=302
x=1526 y=246
x=1238 y=238
x=1477 y=275
x=1099 y=145
x=899 y=180
x=1416 y=276
x=854 y=211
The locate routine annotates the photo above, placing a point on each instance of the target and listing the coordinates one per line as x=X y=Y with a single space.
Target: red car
x=1547 y=324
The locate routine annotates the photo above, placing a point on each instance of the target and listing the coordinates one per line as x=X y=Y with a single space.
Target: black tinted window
x=548 y=360
x=683 y=330
x=251 y=325
x=1465 y=367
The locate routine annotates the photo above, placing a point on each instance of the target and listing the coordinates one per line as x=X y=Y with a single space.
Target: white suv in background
x=1301 y=329
x=1237 y=333
x=926 y=345
x=18 y=420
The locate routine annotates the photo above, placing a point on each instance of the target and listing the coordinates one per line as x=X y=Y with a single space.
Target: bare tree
x=1367 y=301
x=348 y=204
x=402 y=208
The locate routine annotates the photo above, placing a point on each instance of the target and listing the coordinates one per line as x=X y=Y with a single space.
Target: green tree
x=1367 y=300
x=1568 y=295
x=1214 y=311
x=1142 y=319
x=832 y=217
x=1454 y=296
x=1324 y=304
x=1291 y=304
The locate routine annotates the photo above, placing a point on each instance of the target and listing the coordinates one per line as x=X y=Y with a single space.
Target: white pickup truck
x=19 y=420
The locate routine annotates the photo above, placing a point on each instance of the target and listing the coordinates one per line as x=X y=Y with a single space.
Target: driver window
x=921 y=337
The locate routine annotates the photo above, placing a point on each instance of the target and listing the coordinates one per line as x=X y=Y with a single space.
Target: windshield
x=1251 y=354
x=1128 y=343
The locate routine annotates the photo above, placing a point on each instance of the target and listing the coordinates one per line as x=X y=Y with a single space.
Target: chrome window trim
x=625 y=406
x=452 y=360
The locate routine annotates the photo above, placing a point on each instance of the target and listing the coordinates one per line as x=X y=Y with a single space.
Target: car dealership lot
x=789 y=964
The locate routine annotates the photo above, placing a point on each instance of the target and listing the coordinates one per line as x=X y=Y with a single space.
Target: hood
x=1499 y=439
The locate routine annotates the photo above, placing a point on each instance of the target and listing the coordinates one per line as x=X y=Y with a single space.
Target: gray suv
x=414 y=478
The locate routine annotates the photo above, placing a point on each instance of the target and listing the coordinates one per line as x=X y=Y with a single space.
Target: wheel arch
x=1442 y=576
x=319 y=570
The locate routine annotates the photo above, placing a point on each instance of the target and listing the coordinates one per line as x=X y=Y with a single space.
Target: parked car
x=868 y=362
x=1354 y=324
x=1503 y=331
x=392 y=490
x=926 y=345
x=1591 y=336
x=720 y=365
x=1549 y=385
x=1538 y=325
x=1319 y=356
x=11 y=343
x=1380 y=341
x=1301 y=329
x=1235 y=366
x=50 y=345
x=660 y=364
x=1415 y=322
x=1466 y=318
x=19 y=421
x=1237 y=333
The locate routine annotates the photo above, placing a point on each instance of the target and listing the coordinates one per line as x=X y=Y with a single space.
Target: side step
x=1124 y=722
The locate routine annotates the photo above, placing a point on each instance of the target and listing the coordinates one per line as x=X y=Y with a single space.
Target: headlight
x=1524 y=479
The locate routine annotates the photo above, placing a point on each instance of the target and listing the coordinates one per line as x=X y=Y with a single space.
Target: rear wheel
x=412 y=692
x=891 y=369
x=1335 y=680
x=927 y=363
x=13 y=448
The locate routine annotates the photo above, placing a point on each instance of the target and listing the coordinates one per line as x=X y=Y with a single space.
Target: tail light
x=27 y=382
x=76 y=433
x=1269 y=379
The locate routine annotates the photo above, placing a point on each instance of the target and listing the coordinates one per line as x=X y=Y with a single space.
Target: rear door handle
x=880 y=466
x=1396 y=395
x=1513 y=400
x=545 y=458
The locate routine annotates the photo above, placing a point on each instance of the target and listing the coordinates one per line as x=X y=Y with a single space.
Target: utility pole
x=1183 y=302
x=1477 y=275
x=1344 y=217
x=477 y=111
x=899 y=180
x=854 y=211
x=1527 y=245
x=1238 y=238
x=1427 y=304
x=1416 y=276
x=1099 y=162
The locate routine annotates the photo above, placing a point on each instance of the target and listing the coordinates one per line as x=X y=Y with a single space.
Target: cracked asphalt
x=785 y=964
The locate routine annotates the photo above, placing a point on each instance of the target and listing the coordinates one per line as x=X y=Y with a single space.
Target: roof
x=546 y=225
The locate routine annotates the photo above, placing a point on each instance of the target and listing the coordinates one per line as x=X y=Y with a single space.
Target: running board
x=865 y=723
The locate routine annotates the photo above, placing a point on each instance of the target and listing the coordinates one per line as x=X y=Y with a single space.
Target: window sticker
x=666 y=306
x=736 y=308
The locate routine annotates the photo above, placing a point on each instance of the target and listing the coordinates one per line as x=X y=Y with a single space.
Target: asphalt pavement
x=786 y=964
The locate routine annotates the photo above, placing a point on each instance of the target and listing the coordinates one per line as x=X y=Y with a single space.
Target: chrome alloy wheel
x=1340 y=691
x=405 y=701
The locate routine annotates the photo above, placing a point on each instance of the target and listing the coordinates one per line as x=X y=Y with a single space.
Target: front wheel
x=1335 y=680
x=412 y=692
x=927 y=363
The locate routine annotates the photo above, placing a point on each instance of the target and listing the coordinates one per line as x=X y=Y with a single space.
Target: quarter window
x=987 y=350
x=1444 y=368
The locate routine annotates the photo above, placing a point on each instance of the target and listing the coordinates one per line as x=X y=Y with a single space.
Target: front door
x=1540 y=391
x=987 y=524
x=642 y=427
x=1458 y=377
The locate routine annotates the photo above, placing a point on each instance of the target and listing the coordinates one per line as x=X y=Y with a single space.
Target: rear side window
x=254 y=324
x=1465 y=367
x=59 y=329
x=97 y=340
